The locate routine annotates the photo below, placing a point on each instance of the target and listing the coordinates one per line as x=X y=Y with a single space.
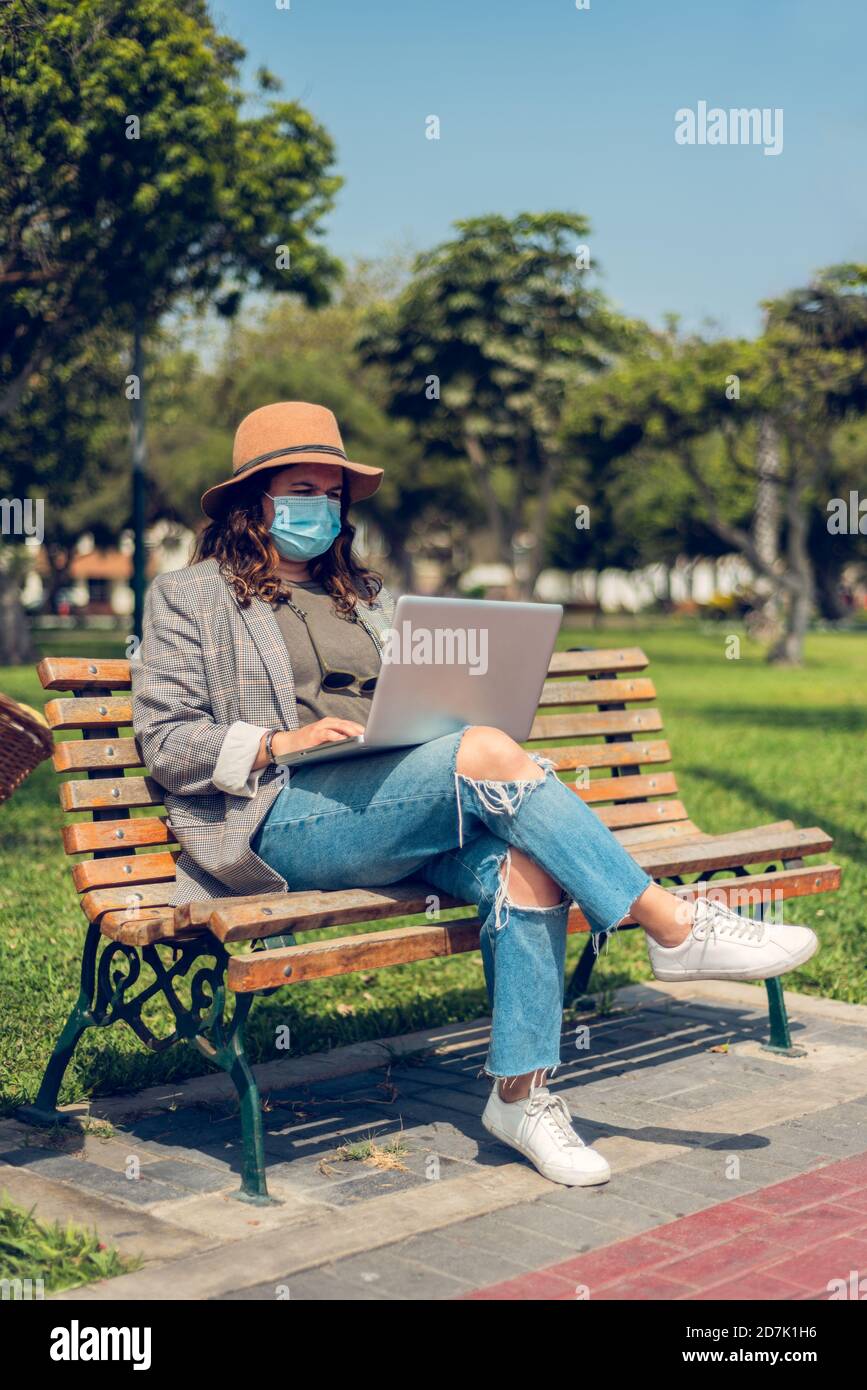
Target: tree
x=128 y=176
x=129 y=180
x=481 y=349
x=816 y=343
x=805 y=375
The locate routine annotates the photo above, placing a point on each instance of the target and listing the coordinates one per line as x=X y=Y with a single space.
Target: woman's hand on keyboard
x=328 y=730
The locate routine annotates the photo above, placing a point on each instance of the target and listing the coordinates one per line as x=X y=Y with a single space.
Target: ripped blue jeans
x=408 y=813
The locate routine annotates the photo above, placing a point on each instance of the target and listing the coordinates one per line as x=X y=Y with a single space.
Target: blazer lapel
x=377 y=620
x=262 y=627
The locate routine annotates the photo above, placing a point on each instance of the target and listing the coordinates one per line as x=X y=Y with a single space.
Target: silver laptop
x=448 y=662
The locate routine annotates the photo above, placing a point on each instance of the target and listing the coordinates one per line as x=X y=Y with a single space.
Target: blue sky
x=546 y=106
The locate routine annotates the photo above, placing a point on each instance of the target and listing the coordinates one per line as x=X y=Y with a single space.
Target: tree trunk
x=691 y=567
x=496 y=517
x=664 y=595
x=765 y=619
x=789 y=650
x=535 y=559
x=795 y=580
x=16 y=643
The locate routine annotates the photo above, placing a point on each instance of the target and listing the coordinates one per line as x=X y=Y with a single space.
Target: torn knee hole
x=506 y=899
x=498 y=797
x=482 y=762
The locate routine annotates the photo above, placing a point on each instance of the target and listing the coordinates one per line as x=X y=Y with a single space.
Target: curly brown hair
x=240 y=541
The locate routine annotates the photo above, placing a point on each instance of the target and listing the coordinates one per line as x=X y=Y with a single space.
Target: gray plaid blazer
x=204 y=663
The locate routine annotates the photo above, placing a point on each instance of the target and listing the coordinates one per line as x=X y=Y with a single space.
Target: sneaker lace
x=723 y=922
x=553 y=1112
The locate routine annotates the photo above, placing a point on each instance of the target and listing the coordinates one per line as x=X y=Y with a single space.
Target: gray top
x=345 y=645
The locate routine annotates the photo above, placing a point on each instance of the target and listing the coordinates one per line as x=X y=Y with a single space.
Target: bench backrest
x=593 y=695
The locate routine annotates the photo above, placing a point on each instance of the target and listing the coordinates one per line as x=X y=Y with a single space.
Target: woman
x=269 y=642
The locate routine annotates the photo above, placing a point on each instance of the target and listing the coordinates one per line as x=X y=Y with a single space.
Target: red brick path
x=782 y=1242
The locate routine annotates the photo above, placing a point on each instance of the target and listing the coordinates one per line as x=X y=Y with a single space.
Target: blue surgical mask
x=304 y=527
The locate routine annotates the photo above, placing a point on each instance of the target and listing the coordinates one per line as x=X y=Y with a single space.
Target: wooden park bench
x=138 y=948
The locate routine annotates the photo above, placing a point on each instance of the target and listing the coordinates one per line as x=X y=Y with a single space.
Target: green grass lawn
x=750 y=745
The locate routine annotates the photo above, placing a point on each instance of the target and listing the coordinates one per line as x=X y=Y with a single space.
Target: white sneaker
x=540 y=1128
x=722 y=945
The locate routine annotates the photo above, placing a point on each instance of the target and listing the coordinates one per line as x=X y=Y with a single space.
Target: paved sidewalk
x=798 y=1239
x=738 y=1173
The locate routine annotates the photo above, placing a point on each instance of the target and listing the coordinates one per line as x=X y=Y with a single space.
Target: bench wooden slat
x=376 y=950
x=766 y=828
x=86 y=836
x=730 y=851
x=303 y=912
x=629 y=754
x=649 y=836
x=139 y=868
x=84 y=755
x=628 y=721
x=597 y=660
x=75 y=673
x=234 y=919
x=148 y=926
x=337 y=956
x=100 y=900
x=106 y=792
x=113 y=711
x=623 y=788
x=640 y=813
x=664 y=834
x=622 y=691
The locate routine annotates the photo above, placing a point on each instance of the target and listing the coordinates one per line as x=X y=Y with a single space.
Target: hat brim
x=362 y=479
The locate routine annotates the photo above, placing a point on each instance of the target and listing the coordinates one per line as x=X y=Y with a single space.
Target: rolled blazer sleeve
x=234 y=771
x=180 y=740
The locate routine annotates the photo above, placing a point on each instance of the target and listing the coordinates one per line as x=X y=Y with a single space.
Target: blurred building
x=97 y=583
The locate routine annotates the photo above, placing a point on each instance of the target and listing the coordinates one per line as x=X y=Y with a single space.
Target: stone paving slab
x=441 y=1209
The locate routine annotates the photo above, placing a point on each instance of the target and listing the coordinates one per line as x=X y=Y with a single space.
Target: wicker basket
x=25 y=742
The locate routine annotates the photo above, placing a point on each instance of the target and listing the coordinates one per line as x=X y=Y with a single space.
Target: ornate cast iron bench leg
x=102 y=1001
x=44 y=1110
x=780 y=1039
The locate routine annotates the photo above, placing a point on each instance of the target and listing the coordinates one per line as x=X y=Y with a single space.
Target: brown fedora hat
x=276 y=436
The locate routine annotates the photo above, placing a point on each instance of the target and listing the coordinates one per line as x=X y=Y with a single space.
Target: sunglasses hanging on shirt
x=332 y=679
